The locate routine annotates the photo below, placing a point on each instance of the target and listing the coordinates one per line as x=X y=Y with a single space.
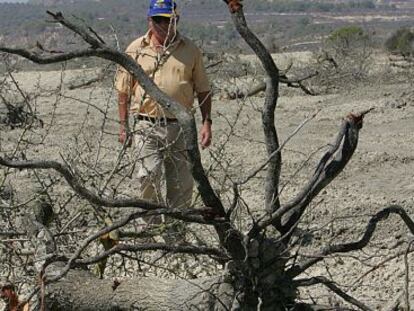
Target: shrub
x=401 y=42
x=345 y=58
x=347 y=38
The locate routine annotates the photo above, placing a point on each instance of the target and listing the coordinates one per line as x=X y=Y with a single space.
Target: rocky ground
x=379 y=174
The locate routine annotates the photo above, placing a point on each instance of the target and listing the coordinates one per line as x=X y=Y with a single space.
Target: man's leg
x=149 y=164
x=179 y=181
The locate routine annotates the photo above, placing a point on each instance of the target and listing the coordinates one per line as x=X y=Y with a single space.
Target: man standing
x=176 y=66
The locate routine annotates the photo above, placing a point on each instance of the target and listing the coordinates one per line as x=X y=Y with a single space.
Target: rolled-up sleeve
x=201 y=83
x=123 y=81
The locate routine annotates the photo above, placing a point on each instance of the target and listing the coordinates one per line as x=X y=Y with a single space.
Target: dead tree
x=297 y=83
x=260 y=272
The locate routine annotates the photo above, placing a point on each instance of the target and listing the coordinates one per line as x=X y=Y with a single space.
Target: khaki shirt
x=178 y=71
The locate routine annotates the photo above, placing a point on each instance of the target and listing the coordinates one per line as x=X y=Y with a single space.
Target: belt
x=155 y=120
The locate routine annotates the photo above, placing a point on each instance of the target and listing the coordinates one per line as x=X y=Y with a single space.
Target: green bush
x=402 y=42
x=347 y=37
x=345 y=58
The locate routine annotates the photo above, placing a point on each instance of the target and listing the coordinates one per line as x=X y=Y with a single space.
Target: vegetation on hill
x=402 y=42
x=306 y=6
x=128 y=16
x=275 y=5
x=281 y=21
x=347 y=38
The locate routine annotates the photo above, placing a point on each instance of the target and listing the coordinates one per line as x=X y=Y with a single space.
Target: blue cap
x=166 y=8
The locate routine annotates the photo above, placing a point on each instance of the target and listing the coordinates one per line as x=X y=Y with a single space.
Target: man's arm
x=123 y=110
x=204 y=101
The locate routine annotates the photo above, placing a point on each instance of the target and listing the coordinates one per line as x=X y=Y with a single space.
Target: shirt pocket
x=148 y=64
x=181 y=72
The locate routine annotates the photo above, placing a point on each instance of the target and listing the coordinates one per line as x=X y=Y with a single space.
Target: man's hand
x=124 y=137
x=204 y=100
x=205 y=135
x=123 y=104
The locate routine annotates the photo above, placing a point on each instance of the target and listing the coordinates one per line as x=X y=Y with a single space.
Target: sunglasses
x=163 y=19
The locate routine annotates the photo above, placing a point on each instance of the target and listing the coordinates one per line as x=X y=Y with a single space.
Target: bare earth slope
x=380 y=173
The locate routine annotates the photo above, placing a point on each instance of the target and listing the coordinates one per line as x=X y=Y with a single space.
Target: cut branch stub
x=328 y=169
x=234 y=5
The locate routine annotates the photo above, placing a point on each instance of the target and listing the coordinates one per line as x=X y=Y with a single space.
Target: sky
x=3 y=1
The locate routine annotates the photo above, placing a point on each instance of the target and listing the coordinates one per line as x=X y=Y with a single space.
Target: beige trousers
x=161 y=147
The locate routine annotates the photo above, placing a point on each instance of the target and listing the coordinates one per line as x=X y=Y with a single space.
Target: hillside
x=380 y=173
x=72 y=116
x=284 y=25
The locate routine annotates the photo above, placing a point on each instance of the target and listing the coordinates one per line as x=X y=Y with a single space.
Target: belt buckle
x=156 y=120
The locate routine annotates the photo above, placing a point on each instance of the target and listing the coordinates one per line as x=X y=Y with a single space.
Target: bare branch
x=268 y=115
x=293 y=83
x=57 y=58
x=353 y=246
x=407 y=277
x=73 y=180
x=9 y=234
x=182 y=249
x=395 y=304
x=262 y=166
x=212 y=65
x=58 y=17
x=356 y=283
x=331 y=164
x=123 y=247
x=93 y=80
x=333 y=287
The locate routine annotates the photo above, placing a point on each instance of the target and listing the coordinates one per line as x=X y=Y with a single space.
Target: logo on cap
x=165 y=8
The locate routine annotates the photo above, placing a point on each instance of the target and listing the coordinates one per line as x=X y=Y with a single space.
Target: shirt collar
x=147 y=40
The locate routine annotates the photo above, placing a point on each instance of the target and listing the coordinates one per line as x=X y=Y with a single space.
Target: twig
x=357 y=245
x=184 y=249
x=377 y=266
x=70 y=222
x=214 y=64
x=118 y=46
x=261 y=167
x=333 y=287
x=407 y=277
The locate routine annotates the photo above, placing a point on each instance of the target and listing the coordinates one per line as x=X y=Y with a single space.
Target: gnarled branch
x=353 y=246
x=331 y=164
x=293 y=83
x=72 y=179
x=334 y=288
x=268 y=115
x=182 y=249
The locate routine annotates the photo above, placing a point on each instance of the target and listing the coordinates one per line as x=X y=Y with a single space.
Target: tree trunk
x=79 y=290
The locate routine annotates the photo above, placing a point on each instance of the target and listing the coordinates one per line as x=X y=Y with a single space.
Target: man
x=176 y=66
